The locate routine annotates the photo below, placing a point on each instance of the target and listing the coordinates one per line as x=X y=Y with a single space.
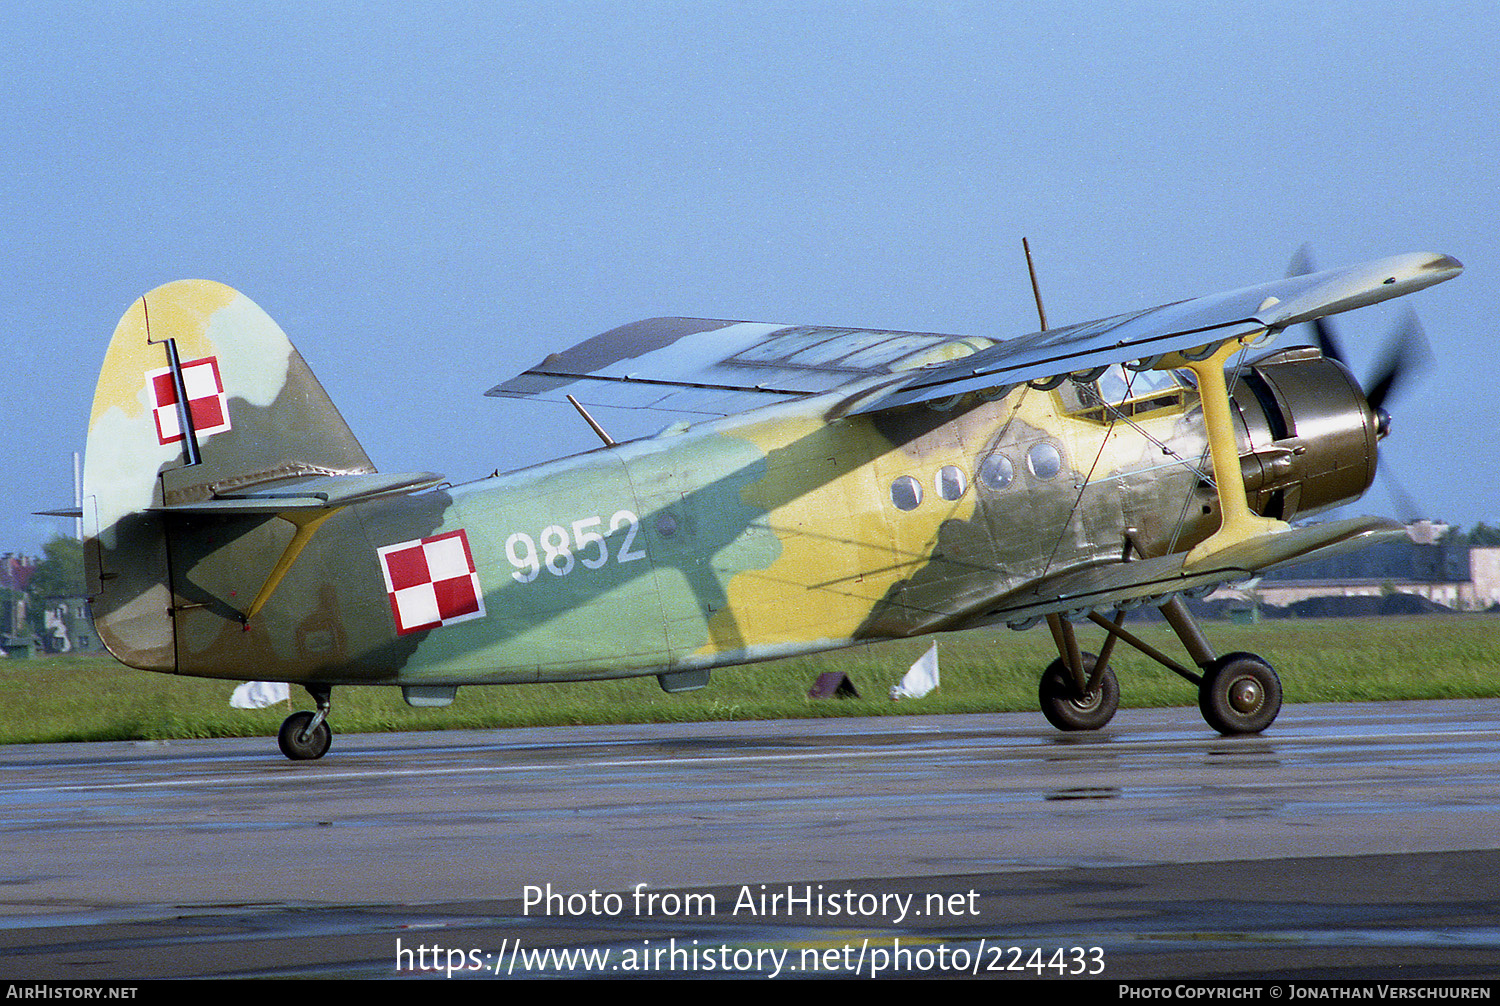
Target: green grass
x=1421 y=657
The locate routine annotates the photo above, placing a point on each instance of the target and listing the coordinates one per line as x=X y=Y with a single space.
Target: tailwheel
x=300 y=740
x=1067 y=707
x=1240 y=694
x=305 y=736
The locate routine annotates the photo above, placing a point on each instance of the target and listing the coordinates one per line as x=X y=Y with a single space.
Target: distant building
x=69 y=627
x=1484 y=571
x=15 y=577
x=1432 y=564
x=16 y=570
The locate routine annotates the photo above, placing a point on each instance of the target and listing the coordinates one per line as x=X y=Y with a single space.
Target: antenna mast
x=1036 y=292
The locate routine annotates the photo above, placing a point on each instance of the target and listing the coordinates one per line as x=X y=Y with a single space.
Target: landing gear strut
x=305 y=736
x=1238 y=693
x=1078 y=690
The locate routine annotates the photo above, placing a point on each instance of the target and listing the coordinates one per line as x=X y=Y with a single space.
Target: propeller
x=1302 y=265
x=1405 y=356
x=1406 y=504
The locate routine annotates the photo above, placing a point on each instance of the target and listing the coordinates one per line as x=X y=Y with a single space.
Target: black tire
x=1240 y=694
x=1066 y=709
x=291 y=744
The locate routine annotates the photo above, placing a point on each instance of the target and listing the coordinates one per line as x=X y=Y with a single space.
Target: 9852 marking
x=564 y=549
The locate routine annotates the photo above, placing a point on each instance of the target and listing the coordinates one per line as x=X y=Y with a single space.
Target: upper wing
x=721 y=367
x=1172 y=328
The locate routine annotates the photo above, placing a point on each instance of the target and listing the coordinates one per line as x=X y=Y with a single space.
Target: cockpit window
x=1119 y=392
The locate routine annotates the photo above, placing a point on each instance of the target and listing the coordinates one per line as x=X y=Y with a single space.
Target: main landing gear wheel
x=1240 y=694
x=1068 y=710
x=299 y=743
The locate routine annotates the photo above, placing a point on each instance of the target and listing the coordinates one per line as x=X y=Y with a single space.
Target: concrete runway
x=1350 y=841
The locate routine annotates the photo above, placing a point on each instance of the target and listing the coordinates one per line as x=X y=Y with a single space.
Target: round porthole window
x=906 y=493
x=996 y=471
x=1044 y=460
x=950 y=482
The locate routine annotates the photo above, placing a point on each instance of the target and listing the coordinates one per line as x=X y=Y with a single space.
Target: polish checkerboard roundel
x=205 y=399
x=431 y=582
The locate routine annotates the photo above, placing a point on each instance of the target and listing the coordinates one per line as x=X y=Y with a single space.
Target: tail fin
x=201 y=394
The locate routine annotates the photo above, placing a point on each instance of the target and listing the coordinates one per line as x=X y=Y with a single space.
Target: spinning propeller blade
x=1405 y=356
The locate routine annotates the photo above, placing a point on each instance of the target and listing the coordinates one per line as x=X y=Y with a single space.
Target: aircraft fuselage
x=760 y=535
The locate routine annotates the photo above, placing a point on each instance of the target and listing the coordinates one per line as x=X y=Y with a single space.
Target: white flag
x=259 y=694
x=921 y=679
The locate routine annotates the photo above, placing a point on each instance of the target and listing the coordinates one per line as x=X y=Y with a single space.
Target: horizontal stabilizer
x=319 y=492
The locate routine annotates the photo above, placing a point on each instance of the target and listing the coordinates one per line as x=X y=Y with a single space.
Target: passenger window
x=996 y=471
x=906 y=493
x=950 y=482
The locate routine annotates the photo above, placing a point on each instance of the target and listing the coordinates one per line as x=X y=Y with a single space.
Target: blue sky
x=432 y=199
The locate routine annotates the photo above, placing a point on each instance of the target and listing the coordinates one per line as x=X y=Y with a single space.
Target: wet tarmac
x=1350 y=841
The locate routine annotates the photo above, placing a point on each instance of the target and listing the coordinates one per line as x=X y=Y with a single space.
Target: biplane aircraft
x=836 y=486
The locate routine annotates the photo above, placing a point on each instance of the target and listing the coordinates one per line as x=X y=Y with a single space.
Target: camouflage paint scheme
x=774 y=529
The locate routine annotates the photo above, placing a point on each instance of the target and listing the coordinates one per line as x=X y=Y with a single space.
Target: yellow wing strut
x=1237 y=523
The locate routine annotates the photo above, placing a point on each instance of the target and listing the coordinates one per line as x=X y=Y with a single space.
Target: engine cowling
x=1313 y=435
